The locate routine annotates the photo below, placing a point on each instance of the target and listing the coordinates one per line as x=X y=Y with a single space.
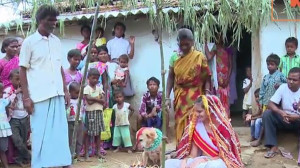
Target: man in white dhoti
x=44 y=92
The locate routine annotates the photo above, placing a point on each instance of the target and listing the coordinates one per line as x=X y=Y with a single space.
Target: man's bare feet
x=129 y=151
x=255 y=143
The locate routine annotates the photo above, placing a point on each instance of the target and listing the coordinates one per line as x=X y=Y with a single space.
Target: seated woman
x=209 y=140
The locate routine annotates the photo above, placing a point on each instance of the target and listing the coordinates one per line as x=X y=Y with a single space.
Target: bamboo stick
x=158 y=4
x=83 y=82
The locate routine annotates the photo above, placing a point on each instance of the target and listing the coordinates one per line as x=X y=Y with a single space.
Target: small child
x=150 y=109
x=118 y=45
x=95 y=99
x=19 y=118
x=72 y=74
x=247 y=85
x=256 y=123
x=291 y=59
x=100 y=40
x=93 y=60
x=270 y=81
x=123 y=111
x=5 y=129
x=74 y=89
x=122 y=72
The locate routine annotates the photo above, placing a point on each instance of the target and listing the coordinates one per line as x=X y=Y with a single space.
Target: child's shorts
x=3 y=144
x=122 y=136
x=94 y=122
x=247 y=107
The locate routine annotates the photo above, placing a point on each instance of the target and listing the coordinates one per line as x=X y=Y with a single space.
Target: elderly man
x=44 y=92
x=285 y=117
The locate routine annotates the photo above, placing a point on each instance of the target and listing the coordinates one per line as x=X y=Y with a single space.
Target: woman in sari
x=209 y=140
x=10 y=47
x=223 y=68
x=189 y=75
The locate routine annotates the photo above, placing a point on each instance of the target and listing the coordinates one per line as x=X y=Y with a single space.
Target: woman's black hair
x=102 y=48
x=273 y=58
x=6 y=42
x=74 y=52
x=44 y=11
x=154 y=80
x=85 y=27
x=121 y=25
x=198 y=100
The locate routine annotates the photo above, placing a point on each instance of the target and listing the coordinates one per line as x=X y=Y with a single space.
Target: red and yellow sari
x=222 y=142
x=191 y=72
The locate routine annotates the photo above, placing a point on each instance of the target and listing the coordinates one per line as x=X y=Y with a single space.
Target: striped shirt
x=287 y=63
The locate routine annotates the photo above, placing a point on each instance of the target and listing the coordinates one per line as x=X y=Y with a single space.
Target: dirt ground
x=252 y=157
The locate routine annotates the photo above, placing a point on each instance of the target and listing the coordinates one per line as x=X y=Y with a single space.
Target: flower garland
x=156 y=142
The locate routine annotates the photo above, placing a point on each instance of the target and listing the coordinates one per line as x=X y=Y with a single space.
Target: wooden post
x=83 y=81
x=158 y=4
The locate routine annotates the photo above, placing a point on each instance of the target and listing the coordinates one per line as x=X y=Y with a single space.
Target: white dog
x=150 y=139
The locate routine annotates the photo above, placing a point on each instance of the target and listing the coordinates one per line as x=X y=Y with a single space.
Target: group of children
x=278 y=70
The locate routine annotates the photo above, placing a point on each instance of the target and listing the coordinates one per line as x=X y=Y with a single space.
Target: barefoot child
x=5 y=129
x=123 y=111
x=150 y=109
x=291 y=59
x=74 y=89
x=72 y=74
x=256 y=123
x=19 y=120
x=122 y=72
x=247 y=85
x=95 y=99
x=270 y=81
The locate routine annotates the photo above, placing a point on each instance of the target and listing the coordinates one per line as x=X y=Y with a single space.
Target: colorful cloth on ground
x=148 y=103
x=267 y=88
x=6 y=67
x=191 y=72
x=69 y=78
x=5 y=129
x=107 y=114
x=224 y=144
x=287 y=63
x=122 y=136
x=222 y=58
x=50 y=134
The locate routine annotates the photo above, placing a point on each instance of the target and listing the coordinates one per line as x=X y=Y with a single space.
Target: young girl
x=122 y=110
x=72 y=74
x=122 y=72
x=118 y=45
x=5 y=130
x=74 y=89
x=100 y=40
x=95 y=99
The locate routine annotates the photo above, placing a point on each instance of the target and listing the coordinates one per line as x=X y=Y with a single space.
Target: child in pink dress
x=72 y=74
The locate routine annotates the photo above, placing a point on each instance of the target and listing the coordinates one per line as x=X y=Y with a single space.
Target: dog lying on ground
x=150 y=140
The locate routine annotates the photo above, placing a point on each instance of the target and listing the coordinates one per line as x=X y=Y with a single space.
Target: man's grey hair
x=185 y=33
